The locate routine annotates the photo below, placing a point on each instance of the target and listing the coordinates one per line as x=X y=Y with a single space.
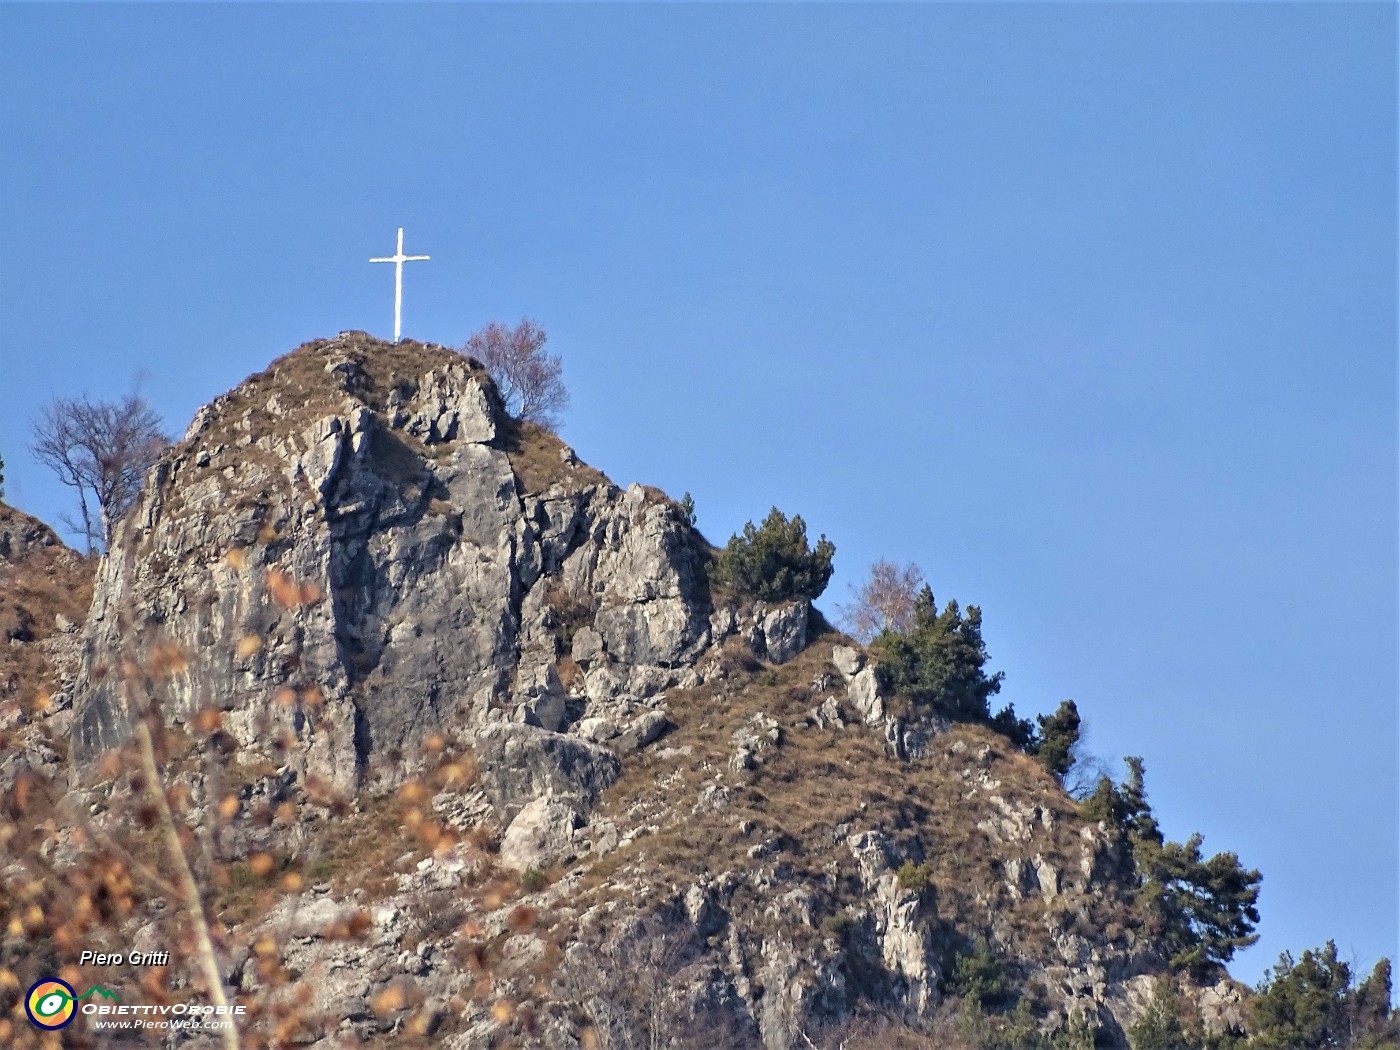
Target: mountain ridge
x=356 y=575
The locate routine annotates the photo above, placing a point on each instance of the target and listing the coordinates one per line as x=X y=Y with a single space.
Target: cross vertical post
x=398 y=259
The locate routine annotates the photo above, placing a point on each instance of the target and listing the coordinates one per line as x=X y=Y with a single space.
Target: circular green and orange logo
x=51 y=1003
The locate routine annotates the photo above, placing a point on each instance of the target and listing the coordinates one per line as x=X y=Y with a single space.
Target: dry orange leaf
x=168 y=659
x=456 y=773
x=389 y=1000
x=284 y=592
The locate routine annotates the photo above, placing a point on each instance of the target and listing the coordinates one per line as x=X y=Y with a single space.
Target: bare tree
x=103 y=450
x=530 y=380
x=885 y=602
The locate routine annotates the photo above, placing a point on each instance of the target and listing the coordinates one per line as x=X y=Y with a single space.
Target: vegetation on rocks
x=774 y=561
x=1200 y=910
x=1059 y=733
x=530 y=380
x=940 y=663
x=402 y=727
x=1314 y=1001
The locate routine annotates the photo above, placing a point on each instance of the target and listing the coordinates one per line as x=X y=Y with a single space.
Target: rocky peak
x=358 y=560
x=362 y=525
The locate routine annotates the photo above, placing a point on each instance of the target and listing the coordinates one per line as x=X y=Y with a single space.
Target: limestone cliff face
x=357 y=555
x=363 y=519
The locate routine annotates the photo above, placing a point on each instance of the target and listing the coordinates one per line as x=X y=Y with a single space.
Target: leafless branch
x=102 y=449
x=530 y=380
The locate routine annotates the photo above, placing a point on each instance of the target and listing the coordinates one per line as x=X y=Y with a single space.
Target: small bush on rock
x=977 y=976
x=911 y=876
x=838 y=924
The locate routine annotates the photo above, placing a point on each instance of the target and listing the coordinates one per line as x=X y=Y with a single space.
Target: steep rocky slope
x=45 y=589
x=525 y=763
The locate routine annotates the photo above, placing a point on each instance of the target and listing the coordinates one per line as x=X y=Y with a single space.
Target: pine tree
x=774 y=561
x=1310 y=1003
x=1058 y=735
x=1201 y=911
x=1141 y=824
x=939 y=663
x=1372 y=1020
x=1300 y=1002
x=1104 y=805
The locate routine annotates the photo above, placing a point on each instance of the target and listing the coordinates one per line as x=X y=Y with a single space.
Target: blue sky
x=1088 y=309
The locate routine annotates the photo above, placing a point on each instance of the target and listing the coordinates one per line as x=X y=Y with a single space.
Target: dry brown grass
x=34 y=590
x=539 y=458
x=817 y=780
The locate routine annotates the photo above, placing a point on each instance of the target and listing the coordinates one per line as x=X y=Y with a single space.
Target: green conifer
x=939 y=663
x=1058 y=735
x=774 y=561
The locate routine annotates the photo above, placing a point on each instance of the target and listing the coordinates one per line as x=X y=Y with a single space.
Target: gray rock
x=645 y=730
x=847 y=660
x=785 y=631
x=752 y=738
x=20 y=534
x=598 y=730
x=827 y=715
x=542 y=834
x=547 y=712
x=547 y=706
x=435 y=584
x=519 y=763
x=867 y=696
x=587 y=645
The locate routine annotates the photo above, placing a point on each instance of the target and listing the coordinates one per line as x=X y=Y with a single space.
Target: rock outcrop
x=44 y=592
x=358 y=563
x=22 y=535
x=363 y=520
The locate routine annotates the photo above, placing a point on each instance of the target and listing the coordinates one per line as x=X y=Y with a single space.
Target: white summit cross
x=398 y=259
